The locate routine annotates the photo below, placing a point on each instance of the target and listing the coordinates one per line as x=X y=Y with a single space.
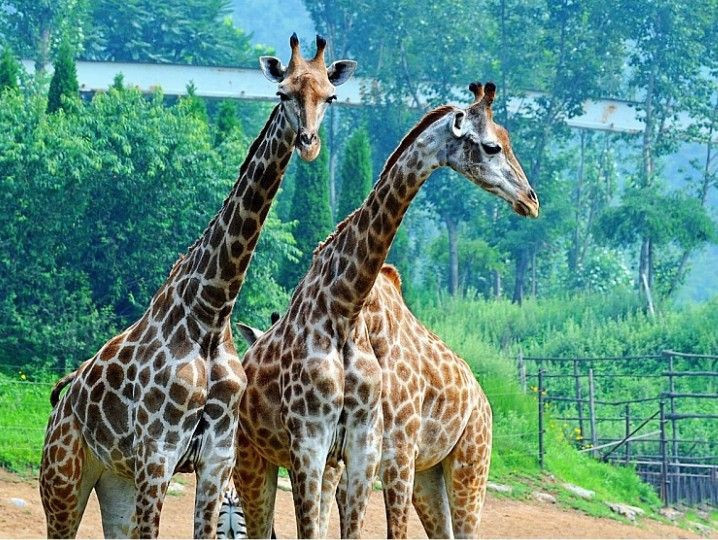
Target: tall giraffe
x=314 y=383
x=162 y=396
x=437 y=421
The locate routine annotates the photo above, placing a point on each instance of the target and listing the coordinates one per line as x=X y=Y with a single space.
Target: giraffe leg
x=397 y=482
x=364 y=425
x=153 y=472
x=67 y=475
x=117 y=504
x=221 y=417
x=332 y=477
x=466 y=470
x=255 y=480
x=431 y=502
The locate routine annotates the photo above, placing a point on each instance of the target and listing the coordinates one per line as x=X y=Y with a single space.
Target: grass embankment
x=487 y=335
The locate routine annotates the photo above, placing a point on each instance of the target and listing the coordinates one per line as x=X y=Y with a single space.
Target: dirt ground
x=501 y=519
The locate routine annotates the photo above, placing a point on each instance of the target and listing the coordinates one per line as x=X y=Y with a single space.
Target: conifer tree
x=310 y=207
x=64 y=79
x=355 y=175
x=227 y=121
x=9 y=70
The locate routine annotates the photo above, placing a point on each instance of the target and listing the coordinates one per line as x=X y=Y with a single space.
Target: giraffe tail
x=59 y=385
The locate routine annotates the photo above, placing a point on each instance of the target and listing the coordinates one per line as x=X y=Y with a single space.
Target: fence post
x=627 y=457
x=521 y=366
x=579 y=401
x=540 y=416
x=664 y=455
x=592 y=411
x=674 y=426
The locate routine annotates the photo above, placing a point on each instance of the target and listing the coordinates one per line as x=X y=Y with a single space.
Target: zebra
x=231 y=522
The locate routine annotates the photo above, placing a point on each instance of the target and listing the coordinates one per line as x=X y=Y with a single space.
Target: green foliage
x=355 y=175
x=227 y=121
x=9 y=70
x=64 y=88
x=98 y=206
x=186 y=32
x=311 y=210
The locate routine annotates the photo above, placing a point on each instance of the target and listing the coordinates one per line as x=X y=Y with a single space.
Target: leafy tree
x=186 y=32
x=355 y=175
x=34 y=28
x=311 y=210
x=64 y=88
x=9 y=70
x=227 y=121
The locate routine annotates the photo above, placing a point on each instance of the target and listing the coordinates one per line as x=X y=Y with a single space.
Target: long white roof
x=244 y=83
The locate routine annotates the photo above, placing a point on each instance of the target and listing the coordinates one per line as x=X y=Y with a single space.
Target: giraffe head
x=484 y=153
x=306 y=88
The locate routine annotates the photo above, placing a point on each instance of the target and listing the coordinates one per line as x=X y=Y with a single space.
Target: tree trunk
x=496 y=283
x=522 y=262
x=575 y=251
x=451 y=227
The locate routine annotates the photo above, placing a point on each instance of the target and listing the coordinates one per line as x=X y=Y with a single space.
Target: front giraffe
x=162 y=396
x=314 y=383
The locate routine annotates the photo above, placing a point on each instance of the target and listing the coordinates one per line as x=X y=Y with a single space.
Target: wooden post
x=592 y=411
x=521 y=367
x=674 y=426
x=627 y=454
x=540 y=416
x=579 y=401
x=664 y=455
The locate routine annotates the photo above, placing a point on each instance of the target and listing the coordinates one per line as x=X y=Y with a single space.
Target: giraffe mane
x=413 y=134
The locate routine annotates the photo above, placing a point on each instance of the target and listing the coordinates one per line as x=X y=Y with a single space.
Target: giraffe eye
x=331 y=98
x=491 y=148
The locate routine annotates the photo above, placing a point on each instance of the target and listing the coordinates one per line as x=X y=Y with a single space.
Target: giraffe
x=161 y=397
x=314 y=384
x=437 y=420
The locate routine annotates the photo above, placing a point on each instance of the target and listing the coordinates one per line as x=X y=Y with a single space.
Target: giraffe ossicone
x=161 y=397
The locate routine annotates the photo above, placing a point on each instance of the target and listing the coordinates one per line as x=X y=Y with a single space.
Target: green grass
x=24 y=411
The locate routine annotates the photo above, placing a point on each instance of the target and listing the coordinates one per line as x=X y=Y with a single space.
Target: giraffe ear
x=458 y=124
x=249 y=334
x=272 y=68
x=340 y=71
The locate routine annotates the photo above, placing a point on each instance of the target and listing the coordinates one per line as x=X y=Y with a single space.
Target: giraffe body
x=162 y=396
x=314 y=382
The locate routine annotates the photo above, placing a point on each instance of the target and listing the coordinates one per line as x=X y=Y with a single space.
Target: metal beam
x=244 y=83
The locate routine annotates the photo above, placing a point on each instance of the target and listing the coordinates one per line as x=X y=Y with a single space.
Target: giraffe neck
x=212 y=273
x=351 y=259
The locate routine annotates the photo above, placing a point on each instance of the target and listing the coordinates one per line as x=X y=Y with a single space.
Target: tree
x=35 y=27
x=670 y=41
x=356 y=176
x=187 y=32
x=227 y=121
x=9 y=70
x=63 y=86
x=310 y=208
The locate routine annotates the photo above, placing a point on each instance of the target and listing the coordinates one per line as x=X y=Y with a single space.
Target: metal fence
x=641 y=431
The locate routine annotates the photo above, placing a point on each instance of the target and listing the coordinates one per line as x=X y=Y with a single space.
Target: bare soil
x=502 y=518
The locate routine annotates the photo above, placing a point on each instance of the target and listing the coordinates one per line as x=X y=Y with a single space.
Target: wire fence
x=641 y=431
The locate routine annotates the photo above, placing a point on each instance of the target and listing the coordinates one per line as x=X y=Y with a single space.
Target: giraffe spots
x=94 y=375
x=137 y=329
x=115 y=412
x=173 y=415
x=179 y=345
x=215 y=296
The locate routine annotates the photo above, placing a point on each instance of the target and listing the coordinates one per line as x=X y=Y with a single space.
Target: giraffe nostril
x=306 y=138
x=532 y=195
